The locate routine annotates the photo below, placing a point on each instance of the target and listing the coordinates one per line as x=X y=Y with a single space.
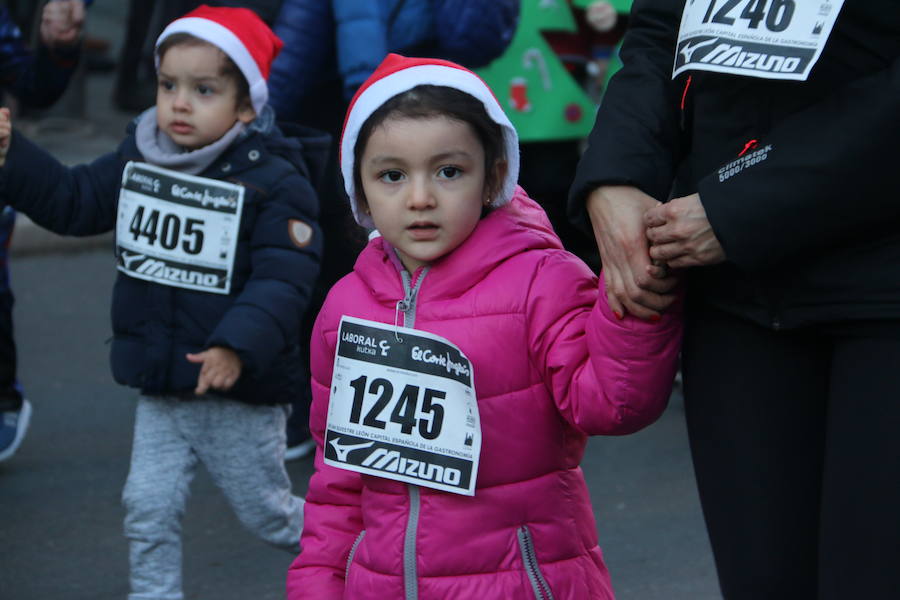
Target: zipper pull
x=684 y=99
x=402 y=306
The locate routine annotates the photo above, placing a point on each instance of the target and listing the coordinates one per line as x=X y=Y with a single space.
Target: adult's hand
x=681 y=234
x=61 y=23
x=633 y=284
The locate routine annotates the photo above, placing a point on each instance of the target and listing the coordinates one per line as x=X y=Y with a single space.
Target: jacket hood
x=516 y=227
x=304 y=147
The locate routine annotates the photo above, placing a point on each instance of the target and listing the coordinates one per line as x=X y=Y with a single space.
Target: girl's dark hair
x=427 y=101
x=229 y=67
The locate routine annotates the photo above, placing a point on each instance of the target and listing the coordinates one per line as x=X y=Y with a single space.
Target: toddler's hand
x=5 y=134
x=61 y=22
x=221 y=369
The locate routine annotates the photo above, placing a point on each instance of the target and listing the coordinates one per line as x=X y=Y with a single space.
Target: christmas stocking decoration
x=518 y=95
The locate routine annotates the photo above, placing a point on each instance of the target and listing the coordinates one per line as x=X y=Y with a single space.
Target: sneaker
x=300 y=449
x=13 y=425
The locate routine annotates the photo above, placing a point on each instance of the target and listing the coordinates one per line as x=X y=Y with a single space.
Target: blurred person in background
x=36 y=79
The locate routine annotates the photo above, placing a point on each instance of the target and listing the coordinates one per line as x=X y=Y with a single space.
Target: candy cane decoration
x=533 y=55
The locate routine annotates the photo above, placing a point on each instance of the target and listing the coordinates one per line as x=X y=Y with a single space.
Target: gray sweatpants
x=242 y=447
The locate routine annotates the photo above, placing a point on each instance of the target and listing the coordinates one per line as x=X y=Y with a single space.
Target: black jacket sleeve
x=79 y=200
x=637 y=137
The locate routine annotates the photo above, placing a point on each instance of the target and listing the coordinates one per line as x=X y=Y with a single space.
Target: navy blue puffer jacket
x=155 y=325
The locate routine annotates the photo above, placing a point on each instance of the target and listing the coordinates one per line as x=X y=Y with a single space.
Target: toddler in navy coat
x=217 y=248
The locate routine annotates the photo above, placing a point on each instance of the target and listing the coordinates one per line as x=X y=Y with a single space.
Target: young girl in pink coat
x=459 y=369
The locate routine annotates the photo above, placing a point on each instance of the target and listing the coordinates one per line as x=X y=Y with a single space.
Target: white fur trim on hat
x=393 y=84
x=221 y=37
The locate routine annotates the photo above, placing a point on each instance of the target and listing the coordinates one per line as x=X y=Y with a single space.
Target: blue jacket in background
x=347 y=39
x=155 y=325
x=36 y=79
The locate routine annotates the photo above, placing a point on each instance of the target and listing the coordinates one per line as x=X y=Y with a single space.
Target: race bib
x=771 y=39
x=403 y=407
x=176 y=229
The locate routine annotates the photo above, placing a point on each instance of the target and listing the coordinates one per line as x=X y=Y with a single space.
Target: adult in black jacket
x=784 y=208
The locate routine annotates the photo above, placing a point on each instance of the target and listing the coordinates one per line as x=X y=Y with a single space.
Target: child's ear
x=245 y=113
x=496 y=179
x=363 y=204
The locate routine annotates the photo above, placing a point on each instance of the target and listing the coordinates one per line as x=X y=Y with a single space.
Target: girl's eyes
x=166 y=85
x=391 y=176
x=449 y=172
x=204 y=90
x=395 y=175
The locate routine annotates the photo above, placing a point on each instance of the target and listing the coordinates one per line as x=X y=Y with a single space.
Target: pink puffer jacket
x=552 y=365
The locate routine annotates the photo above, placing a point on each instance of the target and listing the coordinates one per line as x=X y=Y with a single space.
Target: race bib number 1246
x=771 y=39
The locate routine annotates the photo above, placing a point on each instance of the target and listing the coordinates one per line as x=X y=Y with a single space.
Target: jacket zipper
x=529 y=558
x=407 y=305
x=410 y=575
x=353 y=548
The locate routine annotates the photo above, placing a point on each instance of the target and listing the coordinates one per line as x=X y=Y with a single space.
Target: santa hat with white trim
x=398 y=74
x=241 y=34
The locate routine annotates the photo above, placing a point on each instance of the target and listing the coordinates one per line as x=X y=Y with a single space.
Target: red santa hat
x=241 y=35
x=398 y=74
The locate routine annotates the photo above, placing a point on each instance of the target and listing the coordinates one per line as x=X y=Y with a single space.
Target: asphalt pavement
x=60 y=512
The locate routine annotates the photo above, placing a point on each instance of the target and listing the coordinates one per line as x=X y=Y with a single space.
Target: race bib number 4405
x=771 y=39
x=403 y=407
x=176 y=229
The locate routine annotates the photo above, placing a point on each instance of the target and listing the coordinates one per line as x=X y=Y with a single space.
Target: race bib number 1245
x=403 y=407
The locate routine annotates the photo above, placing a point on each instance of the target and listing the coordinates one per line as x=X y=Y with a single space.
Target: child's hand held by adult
x=221 y=369
x=61 y=23
x=633 y=284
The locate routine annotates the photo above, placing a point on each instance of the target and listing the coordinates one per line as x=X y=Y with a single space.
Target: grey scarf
x=160 y=150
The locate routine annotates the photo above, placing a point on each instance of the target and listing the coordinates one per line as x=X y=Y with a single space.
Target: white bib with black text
x=176 y=229
x=403 y=406
x=771 y=39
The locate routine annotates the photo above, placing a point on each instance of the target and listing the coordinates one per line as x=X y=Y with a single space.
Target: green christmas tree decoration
x=621 y=6
x=541 y=98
